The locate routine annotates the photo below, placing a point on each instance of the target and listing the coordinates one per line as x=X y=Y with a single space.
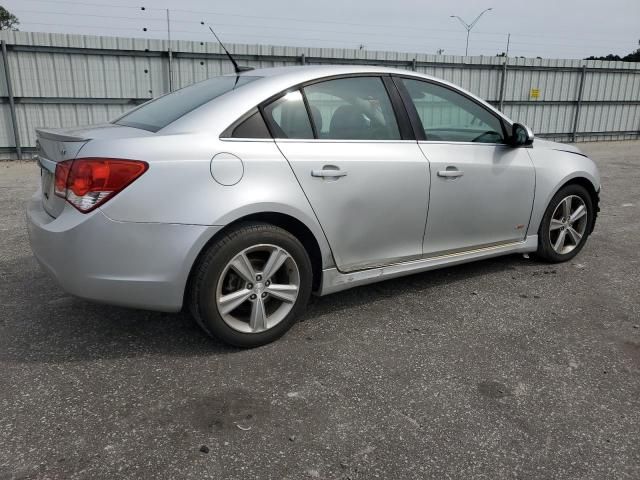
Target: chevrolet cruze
x=239 y=196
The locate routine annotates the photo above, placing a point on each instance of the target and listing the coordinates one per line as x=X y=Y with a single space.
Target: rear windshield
x=160 y=112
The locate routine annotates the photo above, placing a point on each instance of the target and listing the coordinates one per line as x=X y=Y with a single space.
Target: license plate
x=47 y=183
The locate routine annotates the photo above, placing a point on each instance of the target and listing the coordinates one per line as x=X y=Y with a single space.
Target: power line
x=191 y=32
x=70 y=2
x=305 y=38
x=407 y=48
x=296 y=19
x=163 y=20
x=418 y=39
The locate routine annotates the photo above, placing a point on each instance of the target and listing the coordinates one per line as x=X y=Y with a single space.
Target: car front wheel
x=566 y=224
x=251 y=285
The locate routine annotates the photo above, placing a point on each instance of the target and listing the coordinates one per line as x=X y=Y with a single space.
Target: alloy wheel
x=258 y=288
x=568 y=224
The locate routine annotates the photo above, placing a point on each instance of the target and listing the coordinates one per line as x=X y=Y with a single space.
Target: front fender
x=554 y=169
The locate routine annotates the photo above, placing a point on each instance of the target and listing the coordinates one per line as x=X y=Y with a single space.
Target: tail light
x=87 y=183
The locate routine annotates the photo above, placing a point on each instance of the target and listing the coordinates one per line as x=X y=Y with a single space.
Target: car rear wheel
x=566 y=224
x=251 y=285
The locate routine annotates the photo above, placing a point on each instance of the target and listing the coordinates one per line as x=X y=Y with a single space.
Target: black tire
x=211 y=265
x=545 y=248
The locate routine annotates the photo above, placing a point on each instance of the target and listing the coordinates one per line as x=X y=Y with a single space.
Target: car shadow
x=43 y=324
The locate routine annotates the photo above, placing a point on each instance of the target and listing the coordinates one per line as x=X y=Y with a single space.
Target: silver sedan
x=239 y=196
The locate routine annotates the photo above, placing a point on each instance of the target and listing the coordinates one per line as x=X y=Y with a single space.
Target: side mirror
x=521 y=136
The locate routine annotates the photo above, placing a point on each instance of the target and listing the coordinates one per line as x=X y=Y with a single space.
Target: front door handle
x=328 y=173
x=450 y=173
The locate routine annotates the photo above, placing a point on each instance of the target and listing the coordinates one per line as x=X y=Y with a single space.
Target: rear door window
x=164 y=110
x=288 y=117
x=356 y=108
x=252 y=127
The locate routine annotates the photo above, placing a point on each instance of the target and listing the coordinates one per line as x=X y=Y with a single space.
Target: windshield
x=162 y=111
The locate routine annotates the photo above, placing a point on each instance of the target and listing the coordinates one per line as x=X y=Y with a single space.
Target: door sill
x=334 y=281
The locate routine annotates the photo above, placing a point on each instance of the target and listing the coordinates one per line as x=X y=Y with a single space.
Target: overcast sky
x=546 y=28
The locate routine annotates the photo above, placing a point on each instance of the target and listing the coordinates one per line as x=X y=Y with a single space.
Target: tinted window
x=288 y=117
x=449 y=116
x=252 y=127
x=164 y=110
x=352 y=108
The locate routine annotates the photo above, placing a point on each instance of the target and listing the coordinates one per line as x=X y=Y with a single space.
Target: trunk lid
x=57 y=145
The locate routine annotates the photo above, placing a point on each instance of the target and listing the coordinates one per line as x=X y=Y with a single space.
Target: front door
x=481 y=189
x=368 y=187
x=488 y=204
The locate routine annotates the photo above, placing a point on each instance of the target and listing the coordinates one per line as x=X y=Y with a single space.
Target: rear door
x=360 y=168
x=481 y=188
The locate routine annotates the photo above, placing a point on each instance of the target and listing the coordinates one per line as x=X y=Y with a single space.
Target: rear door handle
x=450 y=173
x=328 y=173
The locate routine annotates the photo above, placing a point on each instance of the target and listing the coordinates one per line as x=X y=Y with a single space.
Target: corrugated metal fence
x=56 y=80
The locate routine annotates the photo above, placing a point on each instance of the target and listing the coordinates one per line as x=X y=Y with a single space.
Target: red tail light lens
x=62 y=173
x=87 y=183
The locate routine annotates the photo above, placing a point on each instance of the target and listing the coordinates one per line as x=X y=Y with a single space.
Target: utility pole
x=469 y=26
x=169 y=52
x=503 y=77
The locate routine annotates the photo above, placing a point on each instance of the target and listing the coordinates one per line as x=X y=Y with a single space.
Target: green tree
x=632 y=57
x=8 y=21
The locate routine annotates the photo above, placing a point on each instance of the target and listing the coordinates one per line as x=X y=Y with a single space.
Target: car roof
x=313 y=71
x=304 y=73
x=275 y=80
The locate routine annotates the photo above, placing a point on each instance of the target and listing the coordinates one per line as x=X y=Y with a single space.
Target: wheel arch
x=547 y=185
x=588 y=185
x=285 y=221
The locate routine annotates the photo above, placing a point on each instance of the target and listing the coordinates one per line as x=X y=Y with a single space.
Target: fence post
x=503 y=81
x=578 y=104
x=12 y=106
x=303 y=59
x=169 y=52
x=414 y=65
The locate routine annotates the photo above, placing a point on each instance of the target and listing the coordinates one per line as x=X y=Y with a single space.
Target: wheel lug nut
x=264 y=295
x=258 y=277
x=249 y=286
x=253 y=297
x=267 y=283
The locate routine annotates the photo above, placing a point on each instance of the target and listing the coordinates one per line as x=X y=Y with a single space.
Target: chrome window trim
x=328 y=140
x=238 y=139
x=451 y=142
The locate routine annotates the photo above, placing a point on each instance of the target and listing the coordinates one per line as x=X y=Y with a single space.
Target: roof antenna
x=236 y=67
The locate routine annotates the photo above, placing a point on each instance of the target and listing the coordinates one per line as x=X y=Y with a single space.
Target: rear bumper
x=141 y=265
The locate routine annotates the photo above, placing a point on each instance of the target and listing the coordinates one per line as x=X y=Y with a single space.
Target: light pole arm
x=464 y=24
x=478 y=18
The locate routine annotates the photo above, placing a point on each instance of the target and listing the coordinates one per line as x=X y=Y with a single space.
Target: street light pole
x=466 y=50
x=169 y=52
x=469 y=26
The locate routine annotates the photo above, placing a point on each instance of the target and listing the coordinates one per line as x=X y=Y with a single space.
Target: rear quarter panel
x=179 y=188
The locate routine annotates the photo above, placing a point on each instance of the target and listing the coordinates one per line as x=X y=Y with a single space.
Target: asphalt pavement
x=505 y=368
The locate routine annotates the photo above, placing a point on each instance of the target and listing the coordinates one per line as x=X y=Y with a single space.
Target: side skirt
x=336 y=281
